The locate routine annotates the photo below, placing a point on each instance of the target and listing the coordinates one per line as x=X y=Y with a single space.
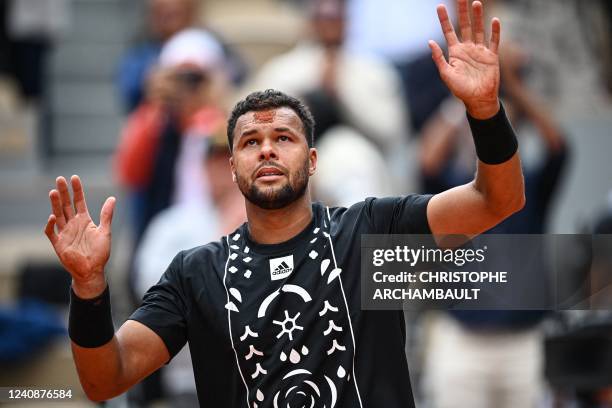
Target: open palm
x=472 y=70
x=82 y=247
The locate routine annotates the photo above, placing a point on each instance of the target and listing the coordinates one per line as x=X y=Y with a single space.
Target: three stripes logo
x=280 y=268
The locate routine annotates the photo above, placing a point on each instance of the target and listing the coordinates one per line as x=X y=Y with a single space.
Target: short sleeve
x=398 y=215
x=164 y=309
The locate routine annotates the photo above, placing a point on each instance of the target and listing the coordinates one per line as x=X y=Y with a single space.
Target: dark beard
x=270 y=199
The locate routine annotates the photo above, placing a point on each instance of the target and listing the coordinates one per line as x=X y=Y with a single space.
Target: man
x=159 y=156
x=338 y=87
x=158 y=159
x=397 y=31
x=135 y=75
x=272 y=311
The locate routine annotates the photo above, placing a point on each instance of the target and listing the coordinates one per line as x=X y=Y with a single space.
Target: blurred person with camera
x=158 y=158
x=137 y=76
x=164 y=19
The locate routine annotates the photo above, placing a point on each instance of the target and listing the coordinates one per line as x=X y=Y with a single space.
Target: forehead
x=269 y=118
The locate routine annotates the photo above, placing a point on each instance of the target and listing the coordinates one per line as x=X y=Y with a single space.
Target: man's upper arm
x=164 y=309
x=398 y=215
x=468 y=209
x=142 y=352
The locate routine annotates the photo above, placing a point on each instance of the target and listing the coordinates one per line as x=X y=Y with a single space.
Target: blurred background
x=132 y=95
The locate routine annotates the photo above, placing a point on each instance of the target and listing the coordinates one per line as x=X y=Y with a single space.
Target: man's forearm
x=94 y=346
x=134 y=352
x=501 y=186
x=109 y=362
x=99 y=370
x=499 y=178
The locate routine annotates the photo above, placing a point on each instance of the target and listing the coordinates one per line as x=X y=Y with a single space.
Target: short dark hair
x=271 y=99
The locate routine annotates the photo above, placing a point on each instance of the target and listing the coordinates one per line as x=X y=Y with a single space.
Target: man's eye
x=251 y=142
x=283 y=138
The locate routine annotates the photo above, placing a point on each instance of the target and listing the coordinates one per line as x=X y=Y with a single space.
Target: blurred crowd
x=386 y=125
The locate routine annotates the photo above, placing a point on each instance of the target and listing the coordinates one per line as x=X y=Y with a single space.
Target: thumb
x=438 y=56
x=106 y=214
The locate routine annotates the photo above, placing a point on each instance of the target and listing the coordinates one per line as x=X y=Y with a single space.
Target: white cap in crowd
x=193 y=47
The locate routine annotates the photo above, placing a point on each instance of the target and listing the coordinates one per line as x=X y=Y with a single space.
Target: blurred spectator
x=341 y=88
x=164 y=19
x=607 y=43
x=32 y=27
x=136 y=74
x=4 y=40
x=183 y=226
x=29 y=31
x=398 y=31
x=26 y=329
x=603 y=224
x=492 y=358
x=601 y=267
x=158 y=158
x=565 y=63
x=30 y=325
x=362 y=172
x=578 y=347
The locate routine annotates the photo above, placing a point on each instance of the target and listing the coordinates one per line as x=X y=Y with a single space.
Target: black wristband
x=90 y=323
x=494 y=138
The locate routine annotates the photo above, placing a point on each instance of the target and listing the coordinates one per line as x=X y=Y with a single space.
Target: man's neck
x=275 y=226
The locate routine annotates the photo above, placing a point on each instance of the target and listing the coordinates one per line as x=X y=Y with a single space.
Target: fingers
x=447 y=27
x=106 y=214
x=50 y=229
x=62 y=187
x=56 y=208
x=479 y=34
x=438 y=56
x=495 y=35
x=79 y=195
x=465 y=26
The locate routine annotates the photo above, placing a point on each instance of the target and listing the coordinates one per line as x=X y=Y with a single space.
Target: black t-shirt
x=281 y=325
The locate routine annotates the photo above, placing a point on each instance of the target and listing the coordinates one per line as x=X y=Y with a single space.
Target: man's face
x=167 y=17
x=329 y=31
x=328 y=22
x=192 y=86
x=271 y=160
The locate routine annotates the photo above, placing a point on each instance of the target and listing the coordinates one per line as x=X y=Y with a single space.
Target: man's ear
x=231 y=161
x=312 y=160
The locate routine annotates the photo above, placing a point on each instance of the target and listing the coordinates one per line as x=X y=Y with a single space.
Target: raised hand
x=81 y=246
x=472 y=70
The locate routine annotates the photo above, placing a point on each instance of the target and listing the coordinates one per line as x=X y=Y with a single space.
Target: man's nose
x=268 y=150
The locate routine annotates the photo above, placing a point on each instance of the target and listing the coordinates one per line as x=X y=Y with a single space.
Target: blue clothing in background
x=540 y=185
x=133 y=70
x=27 y=329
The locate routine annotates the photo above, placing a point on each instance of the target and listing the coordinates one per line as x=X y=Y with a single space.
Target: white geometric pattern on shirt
x=288 y=326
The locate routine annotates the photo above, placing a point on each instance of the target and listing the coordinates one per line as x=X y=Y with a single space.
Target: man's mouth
x=269 y=173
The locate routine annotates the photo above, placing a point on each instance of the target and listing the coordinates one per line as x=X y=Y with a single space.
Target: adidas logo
x=280 y=268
